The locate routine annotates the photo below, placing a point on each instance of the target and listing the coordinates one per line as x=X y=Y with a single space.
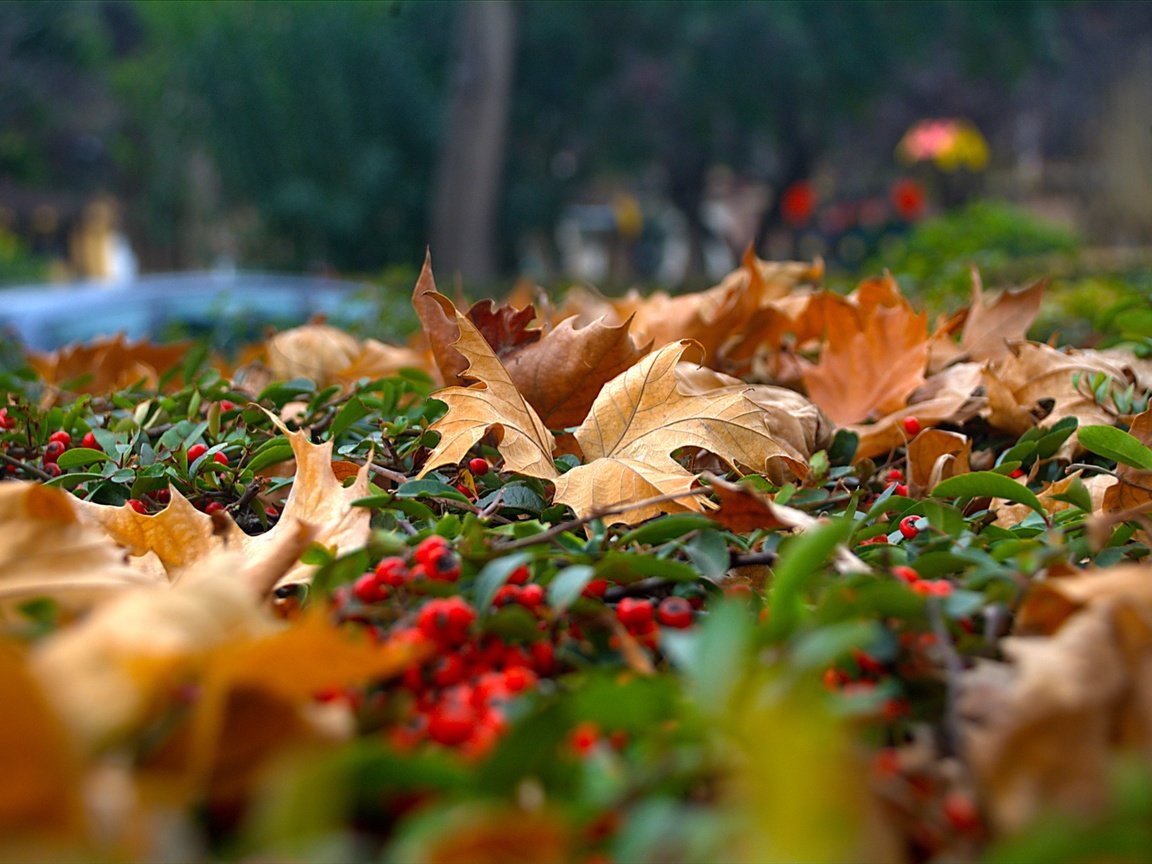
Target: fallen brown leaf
x=106 y=364
x=936 y=455
x=492 y=402
x=640 y=418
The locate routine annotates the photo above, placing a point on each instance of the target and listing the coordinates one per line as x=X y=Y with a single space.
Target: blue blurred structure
x=48 y=317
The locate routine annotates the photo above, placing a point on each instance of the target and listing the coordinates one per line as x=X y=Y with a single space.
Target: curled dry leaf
x=936 y=455
x=47 y=551
x=315 y=351
x=105 y=674
x=1132 y=490
x=641 y=417
x=872 y=359
x=1035 y=382
x=505 y=328
x=1087 y=680
x=949 y=396
x=562 y=374
x=491 y=403
x=439 y=325
x=1008 y=514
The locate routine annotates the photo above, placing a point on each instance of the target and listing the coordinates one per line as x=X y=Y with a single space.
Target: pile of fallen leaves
x=762 y=573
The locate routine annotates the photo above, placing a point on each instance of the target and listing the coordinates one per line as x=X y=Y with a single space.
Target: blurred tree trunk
x=467 y=186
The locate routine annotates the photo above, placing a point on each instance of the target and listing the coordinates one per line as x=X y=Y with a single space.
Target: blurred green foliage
x=934 y=261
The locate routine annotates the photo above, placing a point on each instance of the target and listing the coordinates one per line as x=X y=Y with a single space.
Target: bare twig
x=27 y=466
x=953 y=668
x=250 y=491
x=564 y=527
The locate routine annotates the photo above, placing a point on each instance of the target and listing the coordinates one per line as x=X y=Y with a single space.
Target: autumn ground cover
x=762 y=573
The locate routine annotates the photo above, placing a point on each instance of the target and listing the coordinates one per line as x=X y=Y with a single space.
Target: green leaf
x=1117 y=445
x=709 y=552
x=353 y=411
x=665 y=528
x=626 y=567
x=801 y=558
x=269 y=453
x=492 y=576
x=79 y=456
x=988 y=484
x=568 y=585
x=429 y=488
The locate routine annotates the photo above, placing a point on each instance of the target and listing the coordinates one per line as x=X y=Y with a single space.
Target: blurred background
x=617 y=143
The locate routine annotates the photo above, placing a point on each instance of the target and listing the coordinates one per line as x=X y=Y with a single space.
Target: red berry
x=908 y=527
x=162 y=496
x=89 y=441
x=368 y=588
x=196 y=451
x=519 y=576
x=675 y=612
x=961 y=813
x=225 y=405
x=430 y=548
x=896 y=475
x=48 y=467
x=634 y=613
x=1016 y=474
x=906 y=573
x=52 y=451
x=834 y=679
x=911 y=426
x=6 y=422
x=543 y=657
x=61 y=437
x=595 y=588
x=220 y=458
x=213 y=507
x=137 y=505
x=392 y=571
x=445 y=568
x=506 y=595
x=479 y=466
x=446 y=620
x=531 y=596
x=451 y=723
x=868 y=664
x=584 y=737
x=519 y=678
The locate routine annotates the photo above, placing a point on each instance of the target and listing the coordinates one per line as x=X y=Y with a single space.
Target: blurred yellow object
x=950 y=143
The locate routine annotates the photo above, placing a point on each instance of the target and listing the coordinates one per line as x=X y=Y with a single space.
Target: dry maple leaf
x=491 y=403
x=991 y=327
x=106 y=364
x=871 y=361
x=439 y=325
x=640 y=418
x=1132 y=490
x=46 y=551
x=504 y=328
x=167 y=543
x=949 y=396
x=562 y=374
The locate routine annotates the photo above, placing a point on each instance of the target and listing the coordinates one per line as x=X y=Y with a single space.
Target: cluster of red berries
x=938 y=814
x=458 y=696
x=925 y=587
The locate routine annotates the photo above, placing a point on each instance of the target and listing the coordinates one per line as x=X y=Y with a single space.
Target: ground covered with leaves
x=762 y=573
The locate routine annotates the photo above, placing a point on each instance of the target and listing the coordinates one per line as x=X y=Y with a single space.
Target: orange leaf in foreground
x=871 y=361
x=491 y=403
x=641 y=417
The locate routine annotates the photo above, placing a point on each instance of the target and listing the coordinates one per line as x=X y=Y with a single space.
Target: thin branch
x=954 y=669
x=250 y=491
x=27 y=466
x=599 y=513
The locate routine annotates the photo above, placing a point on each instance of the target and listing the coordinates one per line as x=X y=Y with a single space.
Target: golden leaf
x=315 y=351
x=171 y=541
x=491 y=403
x=871 y=360
x=105 y=674
x=641 y=417
x=46 y=551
